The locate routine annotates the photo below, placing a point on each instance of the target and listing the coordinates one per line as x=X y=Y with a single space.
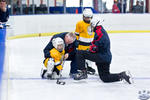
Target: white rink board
x=130 y=52
x=27 y=24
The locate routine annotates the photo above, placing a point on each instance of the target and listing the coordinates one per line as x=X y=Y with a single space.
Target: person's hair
x=2 y=0
x=72 y=35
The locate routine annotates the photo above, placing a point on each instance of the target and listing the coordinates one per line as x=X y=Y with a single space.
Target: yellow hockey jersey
x=84 y=35
x=58 y=58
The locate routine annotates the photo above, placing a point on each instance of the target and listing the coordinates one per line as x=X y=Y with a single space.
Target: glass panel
x=72 y=3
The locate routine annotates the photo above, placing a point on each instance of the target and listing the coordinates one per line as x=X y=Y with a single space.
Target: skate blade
x=91 y=73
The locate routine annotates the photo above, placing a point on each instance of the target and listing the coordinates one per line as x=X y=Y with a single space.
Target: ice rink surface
x=24 y=60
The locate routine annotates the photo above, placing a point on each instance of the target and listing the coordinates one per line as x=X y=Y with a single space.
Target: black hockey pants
x=103 y=68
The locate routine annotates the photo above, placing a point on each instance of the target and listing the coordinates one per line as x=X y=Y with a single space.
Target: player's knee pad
x=50 y=65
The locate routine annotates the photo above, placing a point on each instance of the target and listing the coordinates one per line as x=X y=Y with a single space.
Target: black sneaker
x=90 y=70
x=126 y=76
x=81 y=75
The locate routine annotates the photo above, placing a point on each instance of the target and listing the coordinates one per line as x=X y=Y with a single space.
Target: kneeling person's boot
x=125 y=75
x=82 y=74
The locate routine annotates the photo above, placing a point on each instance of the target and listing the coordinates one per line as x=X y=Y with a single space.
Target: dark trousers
x=103 y=67
x=73 y=64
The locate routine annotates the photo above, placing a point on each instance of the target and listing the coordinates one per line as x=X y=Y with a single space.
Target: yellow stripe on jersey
x=59 y=67
x=45 y=62
x=81 y=47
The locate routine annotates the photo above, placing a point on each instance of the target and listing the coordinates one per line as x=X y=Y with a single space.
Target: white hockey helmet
x=87 y=12
x=58 y=41
x=95 y=22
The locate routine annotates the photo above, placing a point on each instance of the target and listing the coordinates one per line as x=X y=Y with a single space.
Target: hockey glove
x=93 y=48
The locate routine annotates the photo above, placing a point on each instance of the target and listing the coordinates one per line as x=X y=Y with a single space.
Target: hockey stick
x=58 y=80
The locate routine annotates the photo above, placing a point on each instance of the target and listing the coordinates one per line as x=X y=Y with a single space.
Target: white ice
x=24 y=60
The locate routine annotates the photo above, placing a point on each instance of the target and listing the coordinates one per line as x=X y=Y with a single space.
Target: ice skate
x=125 y=75
x=81 y=75
x=90 y=70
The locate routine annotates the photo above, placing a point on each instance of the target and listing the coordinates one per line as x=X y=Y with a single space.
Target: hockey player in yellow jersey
x=85 y=35
x=54 y=64
x=61 y=47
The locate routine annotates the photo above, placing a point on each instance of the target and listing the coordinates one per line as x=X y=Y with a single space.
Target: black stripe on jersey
x=77 y=34
x=58 y=64
x=84 y=44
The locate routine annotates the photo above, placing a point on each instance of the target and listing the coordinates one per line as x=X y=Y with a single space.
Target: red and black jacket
x=102 y=43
